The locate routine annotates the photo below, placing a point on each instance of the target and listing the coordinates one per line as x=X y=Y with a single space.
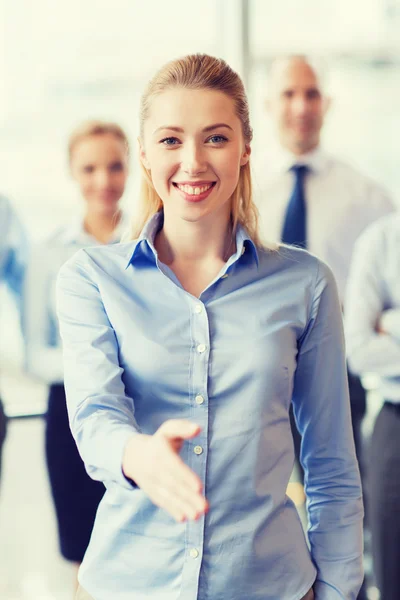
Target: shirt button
x=224 y=276
x=198 y=308
x=199 y=399
x=201 y=348
x=198 y=450
x=193 y=553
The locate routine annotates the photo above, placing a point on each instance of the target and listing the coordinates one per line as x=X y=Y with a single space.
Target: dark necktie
x=294 y=229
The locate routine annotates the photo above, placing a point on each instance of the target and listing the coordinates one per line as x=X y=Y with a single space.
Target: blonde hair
x=93 y=128
x=199 y=72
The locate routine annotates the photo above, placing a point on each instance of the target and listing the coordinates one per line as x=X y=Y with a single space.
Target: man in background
x=310 y=198
x=13 y=254
x=373 y=343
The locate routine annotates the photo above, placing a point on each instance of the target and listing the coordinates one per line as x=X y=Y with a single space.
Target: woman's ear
x=142 y=155
x=246 y=155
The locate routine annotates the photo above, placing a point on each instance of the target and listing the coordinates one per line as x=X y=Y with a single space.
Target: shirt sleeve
x=366 y=299
x=390 y=322
x=43 y=354
x=332 y=480
x=101 y=414
x=13 y=249
x=380 y=202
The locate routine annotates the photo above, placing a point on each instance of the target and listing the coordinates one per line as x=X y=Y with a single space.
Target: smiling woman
x=183 y=350
x=98 y=156
x=221 y=128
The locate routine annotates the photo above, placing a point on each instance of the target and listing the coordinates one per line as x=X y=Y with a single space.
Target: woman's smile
x=194 y=191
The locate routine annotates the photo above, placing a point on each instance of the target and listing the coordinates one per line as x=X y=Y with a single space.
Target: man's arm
x=389 y=323
x=369 y=350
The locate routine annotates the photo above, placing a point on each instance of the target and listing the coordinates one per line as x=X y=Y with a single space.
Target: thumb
x=179 y=429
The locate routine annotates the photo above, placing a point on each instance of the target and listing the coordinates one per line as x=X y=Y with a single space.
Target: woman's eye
x=217 y=139
x=116 y=167
x=169 y=141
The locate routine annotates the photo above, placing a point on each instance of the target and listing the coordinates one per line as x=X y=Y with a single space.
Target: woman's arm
x=332 y=480
x=43 y=354
x=102 y=415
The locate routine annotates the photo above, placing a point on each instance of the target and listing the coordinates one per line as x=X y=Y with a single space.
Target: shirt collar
x=146 y=241
x=77 y=234
x=283 y=160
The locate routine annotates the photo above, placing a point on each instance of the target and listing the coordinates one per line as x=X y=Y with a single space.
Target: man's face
x=297 y=105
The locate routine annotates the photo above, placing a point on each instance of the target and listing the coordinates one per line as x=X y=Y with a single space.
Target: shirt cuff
x=103 y=458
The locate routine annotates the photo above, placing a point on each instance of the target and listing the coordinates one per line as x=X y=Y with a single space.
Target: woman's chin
x=105 y=208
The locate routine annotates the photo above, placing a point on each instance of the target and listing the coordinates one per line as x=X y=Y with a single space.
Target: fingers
x=179 y=429
x=153 y=462
x=190 y=495
x=182 y=473
x=180 y=507
x=180 y=489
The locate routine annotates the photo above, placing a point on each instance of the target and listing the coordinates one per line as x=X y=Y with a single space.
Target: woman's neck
x=101 y=227
x=195 y=242
x=195 y=251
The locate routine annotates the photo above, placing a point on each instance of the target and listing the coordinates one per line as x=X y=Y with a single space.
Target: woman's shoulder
x=61 y=235
x=292 y=258
x=296 y=267
x=102 y=257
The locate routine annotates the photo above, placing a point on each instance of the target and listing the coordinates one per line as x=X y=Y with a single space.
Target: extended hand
x=154 y=464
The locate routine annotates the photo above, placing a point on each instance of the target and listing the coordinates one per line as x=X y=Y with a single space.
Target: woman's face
x=99 y=164
x=193 y=147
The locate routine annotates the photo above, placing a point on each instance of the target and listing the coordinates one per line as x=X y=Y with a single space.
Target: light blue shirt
x=139 y=349
x=13 y=249
x=373 y=295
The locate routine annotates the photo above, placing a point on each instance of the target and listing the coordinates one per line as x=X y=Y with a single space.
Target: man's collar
x=282 y=160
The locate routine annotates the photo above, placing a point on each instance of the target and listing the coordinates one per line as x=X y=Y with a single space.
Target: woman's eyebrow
x=205 y=130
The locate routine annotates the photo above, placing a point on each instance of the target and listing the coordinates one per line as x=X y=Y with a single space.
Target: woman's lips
x=195 y=192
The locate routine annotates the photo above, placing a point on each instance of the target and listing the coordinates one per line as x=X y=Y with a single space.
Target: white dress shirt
x=341 y=203
x=373 y=289
x=43 y=351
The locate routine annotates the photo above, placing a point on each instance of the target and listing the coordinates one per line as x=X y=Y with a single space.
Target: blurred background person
x=308 y=197
x=312 y=199
x=13 y=256
x=373 y=344
x=99 y=162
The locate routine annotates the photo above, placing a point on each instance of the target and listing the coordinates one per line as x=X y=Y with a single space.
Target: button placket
x=197 y=455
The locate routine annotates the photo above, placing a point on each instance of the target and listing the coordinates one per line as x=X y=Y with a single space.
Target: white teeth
x=194 y=191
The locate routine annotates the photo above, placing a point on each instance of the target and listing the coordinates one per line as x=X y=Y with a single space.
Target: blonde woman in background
x=98 y=158
x=183 y=350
